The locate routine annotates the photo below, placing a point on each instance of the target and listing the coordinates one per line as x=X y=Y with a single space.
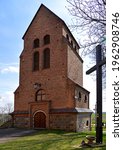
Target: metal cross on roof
x=98 y=69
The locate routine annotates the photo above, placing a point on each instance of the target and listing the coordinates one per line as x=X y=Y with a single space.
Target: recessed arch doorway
x=39 y=120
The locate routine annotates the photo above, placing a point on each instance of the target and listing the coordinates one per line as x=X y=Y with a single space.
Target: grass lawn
x=93 y=121
x=50 y=140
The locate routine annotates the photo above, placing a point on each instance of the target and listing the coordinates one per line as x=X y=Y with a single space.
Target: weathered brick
x=61 y=83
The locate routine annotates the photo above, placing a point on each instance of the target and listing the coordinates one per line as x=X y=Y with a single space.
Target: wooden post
x=99 y=95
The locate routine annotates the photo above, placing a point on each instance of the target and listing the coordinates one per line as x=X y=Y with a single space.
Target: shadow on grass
x=50 y=140
x=61 y=132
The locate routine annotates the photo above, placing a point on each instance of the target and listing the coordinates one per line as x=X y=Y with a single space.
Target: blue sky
x=15 y=17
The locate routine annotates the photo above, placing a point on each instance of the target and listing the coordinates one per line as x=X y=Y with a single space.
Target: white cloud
x=10 y=69
x=7 y=97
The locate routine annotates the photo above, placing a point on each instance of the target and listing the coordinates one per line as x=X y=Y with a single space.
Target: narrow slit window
x=36 y=61
x=46 y=39
x=72 y=43
x=85 y=100
x=46 y=58
x=87 y=123
x=79 y=95
x=36 y=43
x=67 y=36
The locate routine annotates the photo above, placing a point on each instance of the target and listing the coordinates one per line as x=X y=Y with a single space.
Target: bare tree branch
x=90 y=18
x=89 y=21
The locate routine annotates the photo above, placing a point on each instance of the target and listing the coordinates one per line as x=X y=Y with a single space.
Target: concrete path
x=13 y=133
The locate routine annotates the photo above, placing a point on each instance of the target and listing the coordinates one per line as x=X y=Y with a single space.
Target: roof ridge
x=42 y=5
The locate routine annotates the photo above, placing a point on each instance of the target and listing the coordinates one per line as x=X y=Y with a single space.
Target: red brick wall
x=54 y=80
x=82 y=102
x=75 y=67
x=59 y=82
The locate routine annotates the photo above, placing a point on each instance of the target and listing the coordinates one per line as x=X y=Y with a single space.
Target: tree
x=9 y=108
x=4 y=112
x=89 y=21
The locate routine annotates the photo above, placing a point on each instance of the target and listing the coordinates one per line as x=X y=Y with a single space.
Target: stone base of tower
x=77 y=119
x=65 y=121
x=20 y=119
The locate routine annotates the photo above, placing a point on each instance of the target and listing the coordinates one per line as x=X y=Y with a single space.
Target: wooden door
x=39 y=120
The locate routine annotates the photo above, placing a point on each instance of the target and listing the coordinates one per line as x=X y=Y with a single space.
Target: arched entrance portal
x=39 y=120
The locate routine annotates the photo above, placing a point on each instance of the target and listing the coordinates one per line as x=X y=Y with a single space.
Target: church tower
x=50 y=92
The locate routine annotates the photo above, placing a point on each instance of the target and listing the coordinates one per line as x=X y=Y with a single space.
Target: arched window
x=87 y=123
x=67 y=36
x=36 y=61
x=40 y=95
x=75 y=48
x=36 y=43
x=79 y=96
x=46 y=57
x=85 y=100
x=71 y=43
x=46 y=39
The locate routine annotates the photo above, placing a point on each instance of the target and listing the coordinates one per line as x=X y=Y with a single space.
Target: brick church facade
x=50 y=93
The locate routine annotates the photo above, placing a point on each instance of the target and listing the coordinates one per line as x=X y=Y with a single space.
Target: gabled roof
x=55 y=16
